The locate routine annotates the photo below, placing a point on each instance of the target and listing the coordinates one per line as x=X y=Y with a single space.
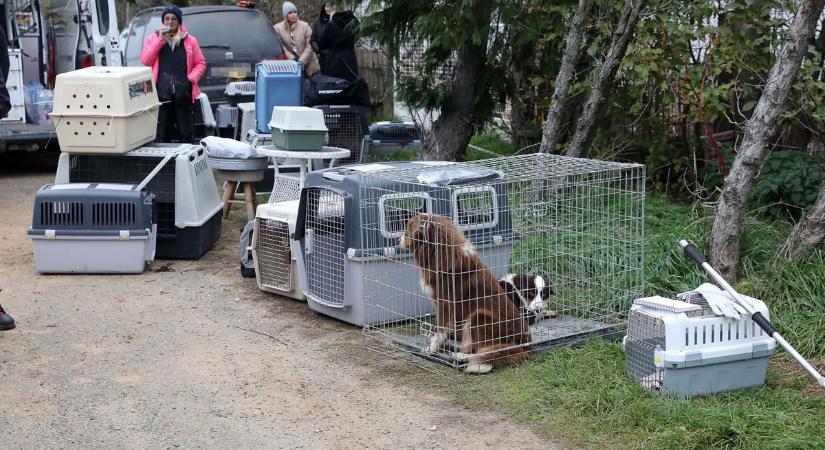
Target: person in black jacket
x=5 y=101
x=318 y=28
x=338 y=40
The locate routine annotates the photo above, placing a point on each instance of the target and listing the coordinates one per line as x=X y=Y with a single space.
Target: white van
x=48 y=37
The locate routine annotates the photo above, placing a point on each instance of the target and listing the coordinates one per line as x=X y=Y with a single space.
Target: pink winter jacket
x=195 y=62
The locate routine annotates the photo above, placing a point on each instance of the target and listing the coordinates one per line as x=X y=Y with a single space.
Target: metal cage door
x=325 y=247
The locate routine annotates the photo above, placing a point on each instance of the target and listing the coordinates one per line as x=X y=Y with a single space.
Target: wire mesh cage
x=534 y=251
x=530 y=252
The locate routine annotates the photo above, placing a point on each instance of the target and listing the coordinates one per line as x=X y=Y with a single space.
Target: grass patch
x=584 y=395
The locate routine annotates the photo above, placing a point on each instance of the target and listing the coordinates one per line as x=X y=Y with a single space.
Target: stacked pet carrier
x=105 y=109
x=277 y=83
x=682 y=348
x=98 y=227
x=187 y=204
x=103 y=117
x=347 y=127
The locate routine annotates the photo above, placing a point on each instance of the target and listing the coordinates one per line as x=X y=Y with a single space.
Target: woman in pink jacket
x=177 y=64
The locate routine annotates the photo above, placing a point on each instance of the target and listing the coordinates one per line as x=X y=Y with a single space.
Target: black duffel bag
x=324 y=90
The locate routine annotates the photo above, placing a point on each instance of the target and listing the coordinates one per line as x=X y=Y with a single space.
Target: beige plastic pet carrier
x=105 y=109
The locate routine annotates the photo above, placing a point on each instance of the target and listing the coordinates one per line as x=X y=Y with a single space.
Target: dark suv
x=233 y=40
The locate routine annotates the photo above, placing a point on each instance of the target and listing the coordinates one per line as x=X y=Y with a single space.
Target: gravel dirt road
x=165 y=359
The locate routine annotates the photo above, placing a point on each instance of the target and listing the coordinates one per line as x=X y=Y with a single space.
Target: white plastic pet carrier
x=186 y=196
x=272 y=249
x=683 y=348
x=105 y=109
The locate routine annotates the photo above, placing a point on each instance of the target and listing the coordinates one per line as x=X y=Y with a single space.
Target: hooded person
x=337 y=44
x=318 y=28
x=177 y=65
x=295 y=37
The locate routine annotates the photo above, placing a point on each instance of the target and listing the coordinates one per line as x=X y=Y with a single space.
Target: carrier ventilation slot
x=200 y=166
x=65 y=214
x=113 y=214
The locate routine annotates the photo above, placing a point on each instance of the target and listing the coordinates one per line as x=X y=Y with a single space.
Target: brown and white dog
x=470 y=303
x=529 y=293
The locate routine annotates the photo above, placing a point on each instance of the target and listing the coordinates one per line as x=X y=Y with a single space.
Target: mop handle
x=756 y=316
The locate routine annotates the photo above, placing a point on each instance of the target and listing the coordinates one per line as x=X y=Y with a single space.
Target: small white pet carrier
x=275 y=263
x=684 y=348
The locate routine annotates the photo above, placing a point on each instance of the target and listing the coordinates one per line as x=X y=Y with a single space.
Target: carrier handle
x=756 y=316
x=155 y=171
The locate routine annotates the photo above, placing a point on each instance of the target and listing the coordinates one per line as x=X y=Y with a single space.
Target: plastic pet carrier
x=349 y=227
x=386 y=138
x=347 y=126
x=273 y=250
x=92 y=228
x=297 y=128
x=105 y=109
x=240 y=92
x=683 y=348
x=14 y=83
x=188 y=206
x=277 y=83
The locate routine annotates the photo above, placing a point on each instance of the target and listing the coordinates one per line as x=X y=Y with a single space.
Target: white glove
x=721 y=302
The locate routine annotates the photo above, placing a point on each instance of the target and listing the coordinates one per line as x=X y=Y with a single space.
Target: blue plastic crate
x=277 y=83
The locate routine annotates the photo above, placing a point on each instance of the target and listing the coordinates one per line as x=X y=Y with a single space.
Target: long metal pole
x=757 y=317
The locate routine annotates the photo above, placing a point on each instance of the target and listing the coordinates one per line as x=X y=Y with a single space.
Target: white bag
x=218 y=147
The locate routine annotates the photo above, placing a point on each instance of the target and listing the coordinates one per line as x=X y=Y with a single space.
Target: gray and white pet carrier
x=92 y=228
x=188 y=206
x=683 y=348
x=349 y=227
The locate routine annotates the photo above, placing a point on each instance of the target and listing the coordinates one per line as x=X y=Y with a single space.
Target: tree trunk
x=457 y=122
x=551 y=131
x=724 y=248
x=809 y=232
x=586 y=127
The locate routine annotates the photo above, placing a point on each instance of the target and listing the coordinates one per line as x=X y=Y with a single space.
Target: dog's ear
x=508 y=289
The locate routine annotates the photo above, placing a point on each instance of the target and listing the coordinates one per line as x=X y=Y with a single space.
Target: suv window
x=241 y=29
x=137 y=34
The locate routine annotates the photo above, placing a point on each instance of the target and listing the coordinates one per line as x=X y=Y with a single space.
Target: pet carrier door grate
x=275 y=265
x=273 y=252
x=324 y=246
x=540 y=224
